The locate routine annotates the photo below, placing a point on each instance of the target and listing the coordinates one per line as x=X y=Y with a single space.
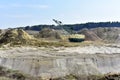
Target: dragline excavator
x=57 y=22
x=71 y=37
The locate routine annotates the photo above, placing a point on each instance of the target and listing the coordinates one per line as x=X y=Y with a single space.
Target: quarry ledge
x=61 y=61
x=57 y=52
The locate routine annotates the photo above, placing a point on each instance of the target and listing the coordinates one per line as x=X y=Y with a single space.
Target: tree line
x=73 y=27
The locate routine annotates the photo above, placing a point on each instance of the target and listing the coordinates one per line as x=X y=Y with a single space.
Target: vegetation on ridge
x=74 y=27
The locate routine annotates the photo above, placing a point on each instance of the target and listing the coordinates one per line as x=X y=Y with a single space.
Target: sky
x=20 y=13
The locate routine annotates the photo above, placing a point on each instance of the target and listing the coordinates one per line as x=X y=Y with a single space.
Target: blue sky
x=18 y=13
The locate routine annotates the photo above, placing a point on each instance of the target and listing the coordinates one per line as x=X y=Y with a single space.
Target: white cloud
x=18 y=16
x=37 y=6
x=30 y=6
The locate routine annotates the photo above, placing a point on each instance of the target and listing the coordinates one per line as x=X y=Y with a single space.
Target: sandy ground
x=59 y=51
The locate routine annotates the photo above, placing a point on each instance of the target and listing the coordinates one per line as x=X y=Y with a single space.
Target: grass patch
x=80 y=77
x=5 y=78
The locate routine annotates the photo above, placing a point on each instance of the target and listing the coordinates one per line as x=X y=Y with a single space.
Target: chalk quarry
x=55 y=62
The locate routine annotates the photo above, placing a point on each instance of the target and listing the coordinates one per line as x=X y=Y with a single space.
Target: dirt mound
x=49 y=33
x=15 y=36
x=62 y=32
x=0 y=31
x=107 y=34
x=89 y=35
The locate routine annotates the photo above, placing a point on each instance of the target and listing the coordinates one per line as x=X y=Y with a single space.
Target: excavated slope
x=89 y=35
x=57 y=62
x=108 y=34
